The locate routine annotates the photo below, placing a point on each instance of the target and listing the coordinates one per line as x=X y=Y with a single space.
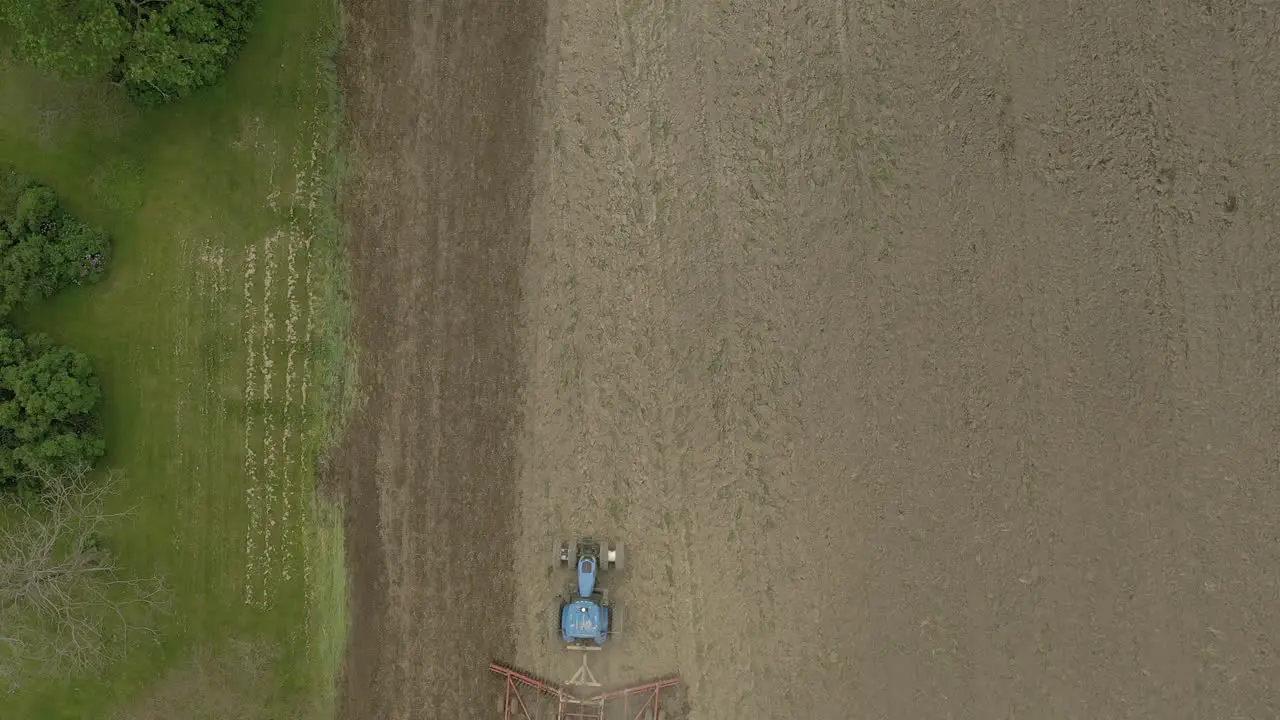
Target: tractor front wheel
x=561 y=559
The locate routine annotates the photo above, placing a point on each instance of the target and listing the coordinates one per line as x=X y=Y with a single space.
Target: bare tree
x=65 y=605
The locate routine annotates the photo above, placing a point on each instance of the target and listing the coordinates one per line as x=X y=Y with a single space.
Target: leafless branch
x=65 y=605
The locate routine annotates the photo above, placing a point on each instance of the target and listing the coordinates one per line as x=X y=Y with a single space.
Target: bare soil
x=923 y=355
x=439 y=104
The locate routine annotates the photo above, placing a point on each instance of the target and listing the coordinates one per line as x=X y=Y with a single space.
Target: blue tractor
x=583 y=614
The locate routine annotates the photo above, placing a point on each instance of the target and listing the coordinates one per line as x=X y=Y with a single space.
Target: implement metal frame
x=528 y=698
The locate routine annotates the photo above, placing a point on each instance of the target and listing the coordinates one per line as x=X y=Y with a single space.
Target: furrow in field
x=268 y=351
x=289 y=460
x=302 y=340
x=252 y=394
x=279 y=303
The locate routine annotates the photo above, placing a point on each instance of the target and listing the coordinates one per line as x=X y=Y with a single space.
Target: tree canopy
x=44 y=249
x=161 y=50
x=49 y=400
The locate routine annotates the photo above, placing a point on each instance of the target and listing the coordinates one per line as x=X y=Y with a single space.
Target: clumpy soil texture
x=439 y=115
x=923 y=355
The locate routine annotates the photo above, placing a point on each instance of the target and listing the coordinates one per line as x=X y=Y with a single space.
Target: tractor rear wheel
x=557 y=612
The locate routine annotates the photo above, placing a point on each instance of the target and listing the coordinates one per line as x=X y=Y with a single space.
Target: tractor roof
x=583 y=619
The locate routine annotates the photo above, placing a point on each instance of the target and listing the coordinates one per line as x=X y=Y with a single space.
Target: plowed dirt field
x=924 y=355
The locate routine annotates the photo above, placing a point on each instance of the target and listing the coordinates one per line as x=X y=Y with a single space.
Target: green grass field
x=218 y=335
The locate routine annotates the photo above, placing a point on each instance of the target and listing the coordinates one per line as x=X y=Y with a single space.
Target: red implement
x=528 y=698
